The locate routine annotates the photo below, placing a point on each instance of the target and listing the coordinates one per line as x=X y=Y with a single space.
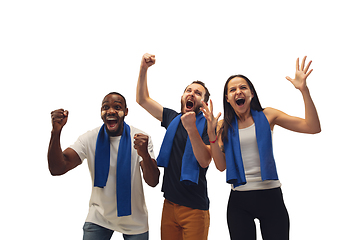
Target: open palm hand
x=301 y=74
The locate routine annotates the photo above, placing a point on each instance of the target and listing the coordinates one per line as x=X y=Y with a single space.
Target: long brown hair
x=229 y=113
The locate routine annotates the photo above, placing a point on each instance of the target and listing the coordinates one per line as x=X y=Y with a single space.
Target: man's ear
x=126 y=111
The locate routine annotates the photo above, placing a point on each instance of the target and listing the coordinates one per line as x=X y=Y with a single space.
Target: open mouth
x=240 y=101
x=111 y=123
x=189 y=104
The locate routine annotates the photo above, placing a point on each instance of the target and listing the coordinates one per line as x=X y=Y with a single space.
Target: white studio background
x=70 y=54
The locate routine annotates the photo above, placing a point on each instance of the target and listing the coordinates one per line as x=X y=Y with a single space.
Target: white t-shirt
x=251 y=161
x=102 y=205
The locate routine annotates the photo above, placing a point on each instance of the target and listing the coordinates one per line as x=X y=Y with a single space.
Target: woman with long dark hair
x=242 y=144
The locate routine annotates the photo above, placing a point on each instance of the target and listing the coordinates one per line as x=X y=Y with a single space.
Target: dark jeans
x=267 y=206
x=96 y=232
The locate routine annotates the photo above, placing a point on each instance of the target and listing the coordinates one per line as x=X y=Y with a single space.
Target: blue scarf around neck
x=189 y=166
x=235 y=173
x=123 y=168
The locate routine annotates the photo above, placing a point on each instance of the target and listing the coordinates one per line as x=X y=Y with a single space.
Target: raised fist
x=58 y=119
x=147 y=60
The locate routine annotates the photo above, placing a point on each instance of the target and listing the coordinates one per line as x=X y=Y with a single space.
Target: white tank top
x=251 y=161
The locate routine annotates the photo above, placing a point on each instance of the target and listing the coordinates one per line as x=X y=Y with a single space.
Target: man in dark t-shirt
x=186 y=206
x=192 y=196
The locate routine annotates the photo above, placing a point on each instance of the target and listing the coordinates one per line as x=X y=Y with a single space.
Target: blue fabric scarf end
x=235 y=172
x=123 y=169
x=189 y=166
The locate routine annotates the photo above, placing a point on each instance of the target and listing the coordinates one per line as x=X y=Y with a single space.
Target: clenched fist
x=189 y=121
x=147 y=60
x=58 y=119
x=141 y=144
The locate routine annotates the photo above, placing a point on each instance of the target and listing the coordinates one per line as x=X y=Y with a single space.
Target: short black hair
x=116 y=93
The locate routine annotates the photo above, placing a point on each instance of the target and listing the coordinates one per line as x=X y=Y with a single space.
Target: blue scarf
x=189 y=165
x=123 y=169
x=235 y=173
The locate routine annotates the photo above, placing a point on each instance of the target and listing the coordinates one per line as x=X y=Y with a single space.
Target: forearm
x=201 y=151
x=218 y=156
x=150 y=170
x=142 y=92
x=311 y=115
x=216 y=151
x=143 y=97
x=56 y=161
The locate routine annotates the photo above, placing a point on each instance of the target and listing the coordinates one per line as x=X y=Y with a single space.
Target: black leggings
x=267 y=206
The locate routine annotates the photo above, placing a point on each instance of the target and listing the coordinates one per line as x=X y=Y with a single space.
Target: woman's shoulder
x=271 y=114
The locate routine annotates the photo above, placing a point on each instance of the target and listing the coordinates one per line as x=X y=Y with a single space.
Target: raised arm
x=60 y=162
x=311 y=123
x=142 y=92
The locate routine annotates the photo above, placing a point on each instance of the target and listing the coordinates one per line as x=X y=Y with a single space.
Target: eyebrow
x=114 y=101
x=196 y=90
x=240 y=85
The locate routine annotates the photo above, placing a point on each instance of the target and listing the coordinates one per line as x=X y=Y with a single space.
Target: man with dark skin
x=102 y=219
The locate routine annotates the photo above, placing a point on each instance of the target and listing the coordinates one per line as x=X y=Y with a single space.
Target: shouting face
x=192 y=97
x=113 y=112
x=239 y=95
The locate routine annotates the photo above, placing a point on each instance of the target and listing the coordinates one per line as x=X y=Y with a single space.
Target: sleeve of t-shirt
x=168 y=116
x=80 y=147
x=151 y=148
x=85 y=144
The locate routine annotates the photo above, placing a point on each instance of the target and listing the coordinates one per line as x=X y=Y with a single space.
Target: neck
x=242 y=117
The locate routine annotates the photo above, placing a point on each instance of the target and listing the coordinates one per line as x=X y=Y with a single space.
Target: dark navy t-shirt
x=192 y=196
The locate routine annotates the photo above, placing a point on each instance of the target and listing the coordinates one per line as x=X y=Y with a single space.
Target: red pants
x=183 y=223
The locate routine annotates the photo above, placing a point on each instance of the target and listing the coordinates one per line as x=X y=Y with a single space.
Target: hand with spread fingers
x=301 y=75
x=211 y=120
